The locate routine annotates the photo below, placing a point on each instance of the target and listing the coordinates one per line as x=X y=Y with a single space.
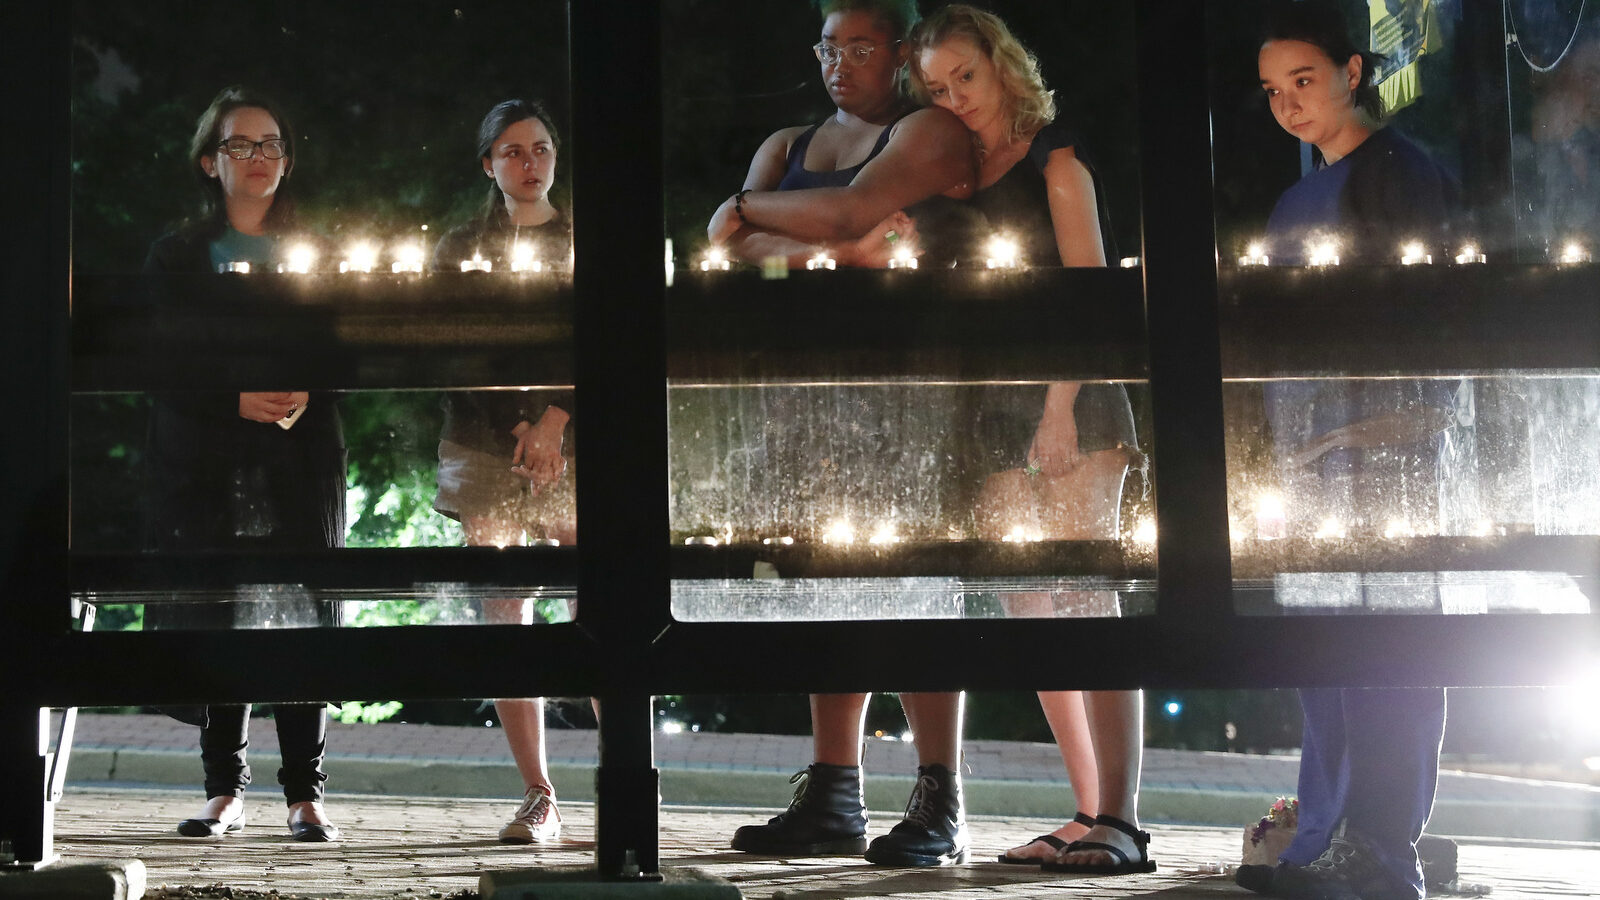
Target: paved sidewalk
x=409 y=847
x=1003 y=777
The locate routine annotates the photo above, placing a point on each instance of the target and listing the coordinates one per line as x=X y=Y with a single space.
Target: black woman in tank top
x=840 y=187
x=1037 y=188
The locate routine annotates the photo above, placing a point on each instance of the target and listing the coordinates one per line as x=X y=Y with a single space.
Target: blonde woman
x=1062 y=457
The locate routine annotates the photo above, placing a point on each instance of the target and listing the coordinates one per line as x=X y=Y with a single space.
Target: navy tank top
x=797 y=177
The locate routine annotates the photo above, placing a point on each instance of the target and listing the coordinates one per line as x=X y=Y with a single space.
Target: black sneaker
x=1348 y=870
x=827 y=817
x=934 y=831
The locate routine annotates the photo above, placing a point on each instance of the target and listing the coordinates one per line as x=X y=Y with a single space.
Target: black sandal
x=1122 y=864
x=1049 y=840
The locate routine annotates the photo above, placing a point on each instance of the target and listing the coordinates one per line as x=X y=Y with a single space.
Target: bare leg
x=935 y=721
x=1116 y=724
x=836 y=723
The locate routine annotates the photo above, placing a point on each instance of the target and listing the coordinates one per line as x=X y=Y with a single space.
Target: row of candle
x=1325 y=252
x=363 y=258
x=1272 y=523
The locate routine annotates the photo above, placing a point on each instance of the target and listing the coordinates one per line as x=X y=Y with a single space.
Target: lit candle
x=522 y=258
x=884 y=535
x=1130 y=262
x=1003 y=253
x=301 y=258
x=235 y=267
x=1398 y=528
x=701 y=540
x=1484 y=528
x=359 y=257
x=1331 y=529
x=1572 y=252
x=1470 y=254
x=1271 y=520
x=1322 y=252
x=1022 y=534
x=1414 y=253
x=903 y=258
x=822 y=261
x=839 y=532
x=407 y=258
x=716 y=259
x=477 y=264
x=1254 y=255
x=1144 y=534
x=782 y=541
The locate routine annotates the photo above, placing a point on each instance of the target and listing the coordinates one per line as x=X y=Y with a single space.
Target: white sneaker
x=537 y=820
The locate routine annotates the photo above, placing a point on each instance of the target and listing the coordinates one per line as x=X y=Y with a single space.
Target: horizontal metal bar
x=379 y=569
x=370 y=569
x=797 y=657
x=1384 y=320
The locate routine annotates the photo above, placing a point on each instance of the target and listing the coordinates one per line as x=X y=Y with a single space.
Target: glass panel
x=1410 y=414
x=888 y=398
x=372 y=228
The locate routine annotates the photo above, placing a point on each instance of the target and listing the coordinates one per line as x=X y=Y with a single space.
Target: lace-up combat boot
x=828 y=817
x=1348 y=870
x=934 y=831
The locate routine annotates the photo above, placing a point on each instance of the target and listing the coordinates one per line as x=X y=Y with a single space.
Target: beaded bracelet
x=738 y=206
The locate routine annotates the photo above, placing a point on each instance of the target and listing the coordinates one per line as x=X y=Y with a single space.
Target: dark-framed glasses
x=244 y=148
x=855 y=53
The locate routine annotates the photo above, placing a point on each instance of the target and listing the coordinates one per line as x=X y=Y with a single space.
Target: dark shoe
x=827 y=817
x=934 y=831
x=211 y=827
x=1120 y=865
x=1347 y=870
x=1055 y=844
x=312 y=833
x=1256 y=878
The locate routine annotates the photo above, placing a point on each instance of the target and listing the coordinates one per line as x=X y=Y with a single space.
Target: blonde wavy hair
x=1028 y=104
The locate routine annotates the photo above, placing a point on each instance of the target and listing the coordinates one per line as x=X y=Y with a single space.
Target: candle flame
x=839 y=532
x=1573 y=252
x=301 y=258
x=1144 y=534
x=1322 y=253
x=1003 y=252
x=884 y=535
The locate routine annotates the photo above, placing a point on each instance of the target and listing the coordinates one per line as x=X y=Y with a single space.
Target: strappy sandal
x=1049 y=840
x=1122 y=864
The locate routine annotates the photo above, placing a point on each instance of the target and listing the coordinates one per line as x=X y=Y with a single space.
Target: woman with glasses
x=252 y=470
x=1065 y=447
x=839 y=187
x=506 y=468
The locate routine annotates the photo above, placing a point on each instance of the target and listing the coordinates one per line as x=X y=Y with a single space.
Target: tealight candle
x=1144 y=534
x=1254 y=255
x=1271 y=519
x=884 y=535
x=1003 y=253
x=782 y=541
x=1470 y=254
x=903 y=258
x=1130 y=262
x=1398 y=528
x=1414 y=253
x=1021 y=534
x=477 y=264
x=716 y=259
x=822 y=261
x=407 y=258
x=522 y=258
x=839 y=532
x=702 y=540
x=1322 y=253
x=1573 y=252
x=359 y=257
x=235 y=267
x=300 y=259
x=1331 y=529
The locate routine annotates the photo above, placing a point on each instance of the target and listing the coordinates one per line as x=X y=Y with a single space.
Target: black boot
x=828 y=817
x=934 y=831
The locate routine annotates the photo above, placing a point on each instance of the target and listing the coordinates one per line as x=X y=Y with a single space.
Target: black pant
x=301 y=739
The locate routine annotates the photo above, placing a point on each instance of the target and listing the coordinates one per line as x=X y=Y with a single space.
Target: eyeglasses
x=244 y=148
x=856 y=53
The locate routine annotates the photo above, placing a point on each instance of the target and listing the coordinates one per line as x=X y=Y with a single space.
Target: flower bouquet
x=1266 y=839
